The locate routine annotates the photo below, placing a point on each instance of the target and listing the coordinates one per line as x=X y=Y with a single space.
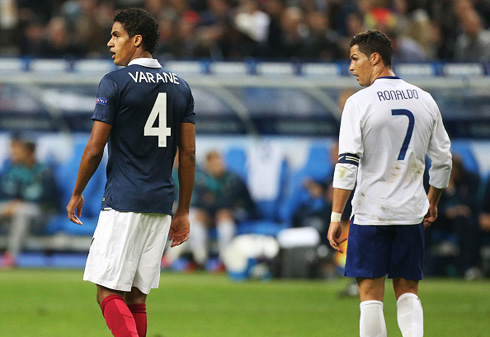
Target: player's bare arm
x=180 y=227
x=434 y=196
x=334 y=236
x=92 y=155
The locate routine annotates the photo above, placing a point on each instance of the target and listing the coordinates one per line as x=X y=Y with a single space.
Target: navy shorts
x=377 y=251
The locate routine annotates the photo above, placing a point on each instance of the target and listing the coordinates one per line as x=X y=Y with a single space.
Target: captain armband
x=345 y=176
x=348 y=158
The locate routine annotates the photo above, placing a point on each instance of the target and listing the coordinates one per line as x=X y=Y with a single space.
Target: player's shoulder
x=179 y=78
x=360 y=96
x=115 y=75
x=415 y=87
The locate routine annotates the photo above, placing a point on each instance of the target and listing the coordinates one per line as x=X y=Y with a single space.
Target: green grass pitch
x=58 y=303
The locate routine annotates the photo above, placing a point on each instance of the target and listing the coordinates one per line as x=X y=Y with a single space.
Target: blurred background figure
x=484 y=220
x=221 y=200
x=458 y=222
x=59 y=43
x=28 y=196
x=314 y=211
x=473 y=43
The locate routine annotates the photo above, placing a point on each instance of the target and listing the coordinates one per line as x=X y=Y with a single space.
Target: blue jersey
x=145 y=104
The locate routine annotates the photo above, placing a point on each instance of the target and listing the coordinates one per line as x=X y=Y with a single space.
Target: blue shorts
x=376 y=251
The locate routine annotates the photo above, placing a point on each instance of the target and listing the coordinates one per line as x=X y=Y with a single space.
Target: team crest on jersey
x=101 y=101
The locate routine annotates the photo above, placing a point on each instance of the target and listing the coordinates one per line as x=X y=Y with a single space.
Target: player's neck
x=140 y=53
x=382 y=72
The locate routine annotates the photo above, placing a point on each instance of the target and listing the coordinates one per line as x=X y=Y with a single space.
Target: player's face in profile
x=360 y=66
x=121 y=45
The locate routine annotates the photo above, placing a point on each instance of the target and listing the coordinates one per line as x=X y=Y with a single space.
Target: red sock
x=118 y=317
x=139 y=314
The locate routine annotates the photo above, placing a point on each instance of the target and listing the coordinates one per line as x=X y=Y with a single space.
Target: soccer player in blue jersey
x=386 y=131
x=144 y=113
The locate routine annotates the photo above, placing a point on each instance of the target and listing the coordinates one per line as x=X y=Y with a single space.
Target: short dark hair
x=137 y=21
x=374 y=41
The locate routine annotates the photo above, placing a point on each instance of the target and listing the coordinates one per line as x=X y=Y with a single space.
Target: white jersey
x=386 y=131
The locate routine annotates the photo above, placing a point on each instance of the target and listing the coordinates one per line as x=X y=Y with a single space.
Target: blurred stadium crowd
x=451 y=30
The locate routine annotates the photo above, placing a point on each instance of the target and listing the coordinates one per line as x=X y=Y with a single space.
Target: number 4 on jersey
x=159 y=111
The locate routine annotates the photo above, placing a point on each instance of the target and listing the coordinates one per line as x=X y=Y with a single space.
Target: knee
x=224 y=214
x=402 y=286
x=135 y=296
x=100 y=298
x=201 y=216
x=103 y=292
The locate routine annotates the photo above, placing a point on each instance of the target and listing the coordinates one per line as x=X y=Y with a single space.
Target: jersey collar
x=146 y=62
x=390 y=77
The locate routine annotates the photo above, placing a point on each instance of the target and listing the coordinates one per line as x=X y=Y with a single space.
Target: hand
x=76 y=203
x=334 y=234
x=179 y=229
x=430 y=217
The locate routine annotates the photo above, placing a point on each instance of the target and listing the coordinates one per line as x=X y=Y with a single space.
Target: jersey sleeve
x=440 y=153
x=106 y=101
x=189 y=116
x=351 y=147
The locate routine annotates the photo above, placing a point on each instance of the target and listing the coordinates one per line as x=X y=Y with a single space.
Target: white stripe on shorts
x=127 y=249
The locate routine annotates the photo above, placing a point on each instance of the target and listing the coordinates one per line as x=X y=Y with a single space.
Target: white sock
x=198 y=241
x=226 y=232
x=372 y=322
x=410 y=315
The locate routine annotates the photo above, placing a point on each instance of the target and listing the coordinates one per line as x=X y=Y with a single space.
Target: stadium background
x=250 y=92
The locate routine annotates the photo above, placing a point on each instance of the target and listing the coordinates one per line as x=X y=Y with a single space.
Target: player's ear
x=375 y=58
x=137 y=40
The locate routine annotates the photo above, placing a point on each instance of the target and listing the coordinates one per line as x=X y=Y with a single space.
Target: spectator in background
x=458 y=216
x=58 y=43
x=273 y=8
x=293 y=33
x=27 y=195
x=213 y=25
x=221 y=199
x=322 y=41
x=32 y=39
x=420 y=30
x=354 y=23
x=484 y=219
x=406 y=49
x=314 y=212
x=473 y=44
x=253 y=23
x=91 y=29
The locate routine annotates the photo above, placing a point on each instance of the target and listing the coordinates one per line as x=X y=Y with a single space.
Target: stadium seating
x=317 y=167
x=65 y=175
x=236 y=161
x=463 y=149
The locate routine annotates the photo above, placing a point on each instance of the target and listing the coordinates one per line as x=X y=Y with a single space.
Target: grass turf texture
x=57 y=303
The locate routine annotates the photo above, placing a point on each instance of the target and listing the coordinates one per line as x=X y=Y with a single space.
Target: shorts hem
x=108 y=285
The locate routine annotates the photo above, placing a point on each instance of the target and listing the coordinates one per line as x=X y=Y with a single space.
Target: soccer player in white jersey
x=386 y=131
x=144 y=113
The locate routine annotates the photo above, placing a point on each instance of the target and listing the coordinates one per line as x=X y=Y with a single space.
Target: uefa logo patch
x=101 y=101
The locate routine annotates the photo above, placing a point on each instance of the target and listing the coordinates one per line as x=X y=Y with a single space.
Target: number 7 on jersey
x=408 y=136
x=159 y=111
